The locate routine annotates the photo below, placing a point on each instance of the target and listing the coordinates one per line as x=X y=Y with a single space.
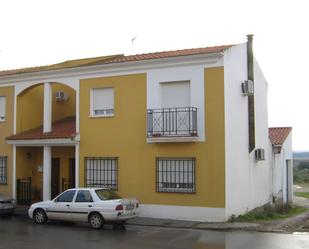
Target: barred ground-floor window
x=101 y=172
x=175 y=175
x=3 y=170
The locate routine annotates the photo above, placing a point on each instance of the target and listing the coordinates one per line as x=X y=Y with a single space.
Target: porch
x=45 y=164
x=30 y=183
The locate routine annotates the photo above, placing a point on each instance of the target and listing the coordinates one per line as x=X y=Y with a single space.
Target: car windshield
x=107 y=194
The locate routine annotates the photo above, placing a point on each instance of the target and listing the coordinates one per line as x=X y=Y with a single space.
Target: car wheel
x=39 y=216
x=96 y=220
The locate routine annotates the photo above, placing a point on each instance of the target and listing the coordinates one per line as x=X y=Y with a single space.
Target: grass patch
x=269 y=213
x=302 y=194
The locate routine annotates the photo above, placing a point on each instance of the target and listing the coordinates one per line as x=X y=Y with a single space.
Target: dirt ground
x=299 y=223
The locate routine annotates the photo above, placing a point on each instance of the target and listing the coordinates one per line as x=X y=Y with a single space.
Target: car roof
x=94 y=188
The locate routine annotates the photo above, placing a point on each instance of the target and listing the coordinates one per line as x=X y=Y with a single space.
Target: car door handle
x=90 y=206
x=68 y=205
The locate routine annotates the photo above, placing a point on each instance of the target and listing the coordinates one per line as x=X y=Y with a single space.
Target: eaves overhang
x=113 y=68
x=45 y=142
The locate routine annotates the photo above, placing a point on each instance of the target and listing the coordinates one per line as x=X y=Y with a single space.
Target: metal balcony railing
x=172 y=122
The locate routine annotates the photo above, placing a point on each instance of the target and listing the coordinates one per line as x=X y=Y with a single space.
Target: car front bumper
x=9 y=210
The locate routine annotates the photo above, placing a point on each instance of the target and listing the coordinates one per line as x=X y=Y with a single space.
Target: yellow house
x=170 y=128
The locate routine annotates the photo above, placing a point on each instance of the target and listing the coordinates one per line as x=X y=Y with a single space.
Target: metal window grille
x=3 y=170
x=176 y=175
x=101 y=172
x=106 y=112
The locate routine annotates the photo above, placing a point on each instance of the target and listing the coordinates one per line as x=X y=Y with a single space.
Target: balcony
x=177 y=124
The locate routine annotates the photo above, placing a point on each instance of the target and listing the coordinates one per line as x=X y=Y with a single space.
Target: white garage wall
x=247 y=181
x=280 y=183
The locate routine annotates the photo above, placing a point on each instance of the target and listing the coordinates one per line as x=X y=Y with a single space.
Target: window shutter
x=176 y=94
x=2 y=108
x=103 y=99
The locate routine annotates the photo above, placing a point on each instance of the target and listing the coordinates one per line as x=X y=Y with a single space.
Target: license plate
x=6 y=206
x=130 y=207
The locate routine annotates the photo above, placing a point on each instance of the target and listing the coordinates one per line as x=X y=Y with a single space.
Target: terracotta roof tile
x=117 y=59
x=277 y=135
x=64 y=128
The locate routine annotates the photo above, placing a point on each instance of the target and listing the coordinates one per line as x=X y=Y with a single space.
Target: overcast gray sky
x=39 y=32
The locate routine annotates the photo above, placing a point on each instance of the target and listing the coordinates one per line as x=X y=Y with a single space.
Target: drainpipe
x=251 y=114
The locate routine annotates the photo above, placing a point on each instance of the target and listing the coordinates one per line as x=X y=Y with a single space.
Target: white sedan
x=93 y=205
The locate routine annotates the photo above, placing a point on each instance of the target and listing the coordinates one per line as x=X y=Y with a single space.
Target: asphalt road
x=22 y=233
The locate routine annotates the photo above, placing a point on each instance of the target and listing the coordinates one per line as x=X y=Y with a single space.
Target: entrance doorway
x=55 y=177
x=72 y=172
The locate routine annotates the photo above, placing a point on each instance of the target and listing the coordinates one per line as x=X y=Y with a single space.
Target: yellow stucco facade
x=6 y=129
x=124 y=136
x=30 y=105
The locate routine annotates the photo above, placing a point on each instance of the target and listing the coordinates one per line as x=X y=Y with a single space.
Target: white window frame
x=3 y=170
x=3 y=116
x=107 y=112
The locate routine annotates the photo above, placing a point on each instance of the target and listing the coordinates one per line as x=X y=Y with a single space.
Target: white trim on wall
x=203 y=214
x=192 y=74
x=47 y=142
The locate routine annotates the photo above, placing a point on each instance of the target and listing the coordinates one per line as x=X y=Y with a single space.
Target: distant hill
x=301 y=155
x=301 y=166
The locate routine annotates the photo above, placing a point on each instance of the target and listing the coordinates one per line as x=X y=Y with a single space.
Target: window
x=102 y=102
x=2 y=108
x=107 y=194
x=176 y=175
x=66 y=196
x=83 y=196
x=102 y=172
x=3 y=170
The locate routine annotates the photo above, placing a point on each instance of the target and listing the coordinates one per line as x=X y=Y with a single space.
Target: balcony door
x=176 y=115
x=175 y=94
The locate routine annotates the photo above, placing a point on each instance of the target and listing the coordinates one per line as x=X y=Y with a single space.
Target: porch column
x=14 y=173
x=46 y=173
x=76 y=165
x=47 y=122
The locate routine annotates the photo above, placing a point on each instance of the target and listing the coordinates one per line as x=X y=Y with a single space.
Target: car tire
x=39 y=216
x=96 y=220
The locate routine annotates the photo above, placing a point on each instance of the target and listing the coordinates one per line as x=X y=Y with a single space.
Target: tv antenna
x=133 y=39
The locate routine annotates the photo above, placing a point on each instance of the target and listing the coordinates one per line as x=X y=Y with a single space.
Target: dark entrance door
x=72 y=172
x=55 y=177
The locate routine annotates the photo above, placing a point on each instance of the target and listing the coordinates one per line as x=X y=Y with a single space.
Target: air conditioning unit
x=61 y=96
x=259 y=154
x=247 y=88
x=2 y=118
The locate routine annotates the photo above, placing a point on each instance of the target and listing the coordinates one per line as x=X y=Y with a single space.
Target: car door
x=82 y=205
x=60 y=208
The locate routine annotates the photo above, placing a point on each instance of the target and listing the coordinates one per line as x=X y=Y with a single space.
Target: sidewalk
x=22 y=211
x=289 y=225
x=224 y=226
